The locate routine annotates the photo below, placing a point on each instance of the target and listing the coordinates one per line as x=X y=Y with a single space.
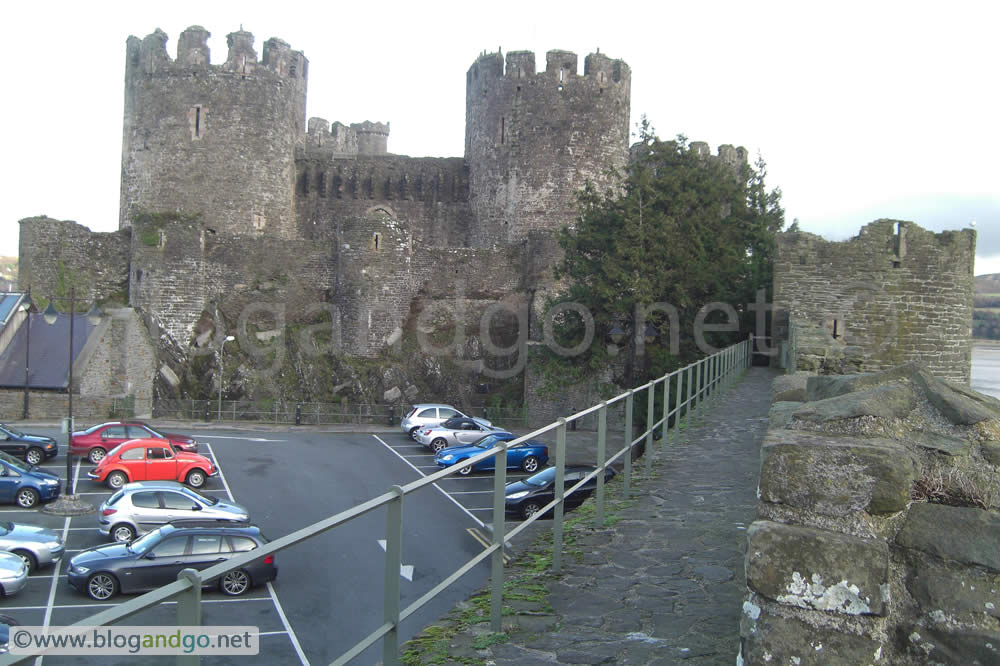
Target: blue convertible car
x=529 y=456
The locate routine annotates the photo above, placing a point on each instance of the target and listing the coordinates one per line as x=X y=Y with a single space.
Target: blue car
x=530 y=456
x=24 y=484
x=35 y=449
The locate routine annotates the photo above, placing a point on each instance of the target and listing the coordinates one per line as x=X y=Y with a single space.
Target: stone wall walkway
x=664 y=584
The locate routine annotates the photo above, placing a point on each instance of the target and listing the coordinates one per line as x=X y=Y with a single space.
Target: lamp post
x=222 y=348
x=50 y=316
x=26 y=308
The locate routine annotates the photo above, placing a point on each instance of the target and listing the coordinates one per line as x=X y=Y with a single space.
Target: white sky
x=861 y=110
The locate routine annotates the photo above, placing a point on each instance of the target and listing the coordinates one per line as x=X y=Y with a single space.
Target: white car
x=427 y=415
x=456 y=431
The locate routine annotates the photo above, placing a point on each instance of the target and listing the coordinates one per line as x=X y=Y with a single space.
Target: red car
x=95 y=442
x=152 y=460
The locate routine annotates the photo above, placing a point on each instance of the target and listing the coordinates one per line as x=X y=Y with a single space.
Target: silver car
x=456 y=431
x=143 y=506
x=425 y=415
x=37 y=546
x=13 y=574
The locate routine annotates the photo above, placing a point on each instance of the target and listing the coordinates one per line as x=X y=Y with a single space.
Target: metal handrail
x=716 y=370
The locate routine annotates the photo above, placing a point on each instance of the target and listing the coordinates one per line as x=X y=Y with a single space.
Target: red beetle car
x=96 y=441
x=151 y=460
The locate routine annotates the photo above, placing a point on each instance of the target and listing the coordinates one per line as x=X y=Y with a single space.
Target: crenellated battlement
x=365 y=138
x=560 y=66
x=149 y=55
x=727 y=154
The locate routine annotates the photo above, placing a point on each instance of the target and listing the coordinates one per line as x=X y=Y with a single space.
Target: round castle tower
x=532 y=140
x=218 y=140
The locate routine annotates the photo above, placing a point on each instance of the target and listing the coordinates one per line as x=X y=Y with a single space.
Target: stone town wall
x=895 y=293
x=842 y=565
x=54 y=255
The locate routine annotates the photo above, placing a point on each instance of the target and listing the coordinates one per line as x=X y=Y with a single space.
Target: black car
x=525 y=498
x=154 y=560
x=34 y=449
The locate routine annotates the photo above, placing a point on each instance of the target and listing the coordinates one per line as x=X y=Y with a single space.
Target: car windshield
x=454 y=422
x=19 y=465
x=93 y=429
x=16 y=433
x=543 y=478
x=115 y=450
x=488 y=442
x=153 y=431
x=211 y=501
x=145 y=542
x=6 y=528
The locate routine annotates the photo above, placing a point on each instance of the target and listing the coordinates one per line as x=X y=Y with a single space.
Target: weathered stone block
x=939 y=443
x=829 y=386
x=887 y=401
x=956 y=646
x=817 y=569
x=781 y=413
x=836 y=476
x=936 y=588
x=991 y=451
x=787 y=388
x=960 y=405
x=769 y=640
x=963 y=534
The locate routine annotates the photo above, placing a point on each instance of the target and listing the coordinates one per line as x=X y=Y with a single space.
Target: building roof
x=49 y=352
x=8 y=302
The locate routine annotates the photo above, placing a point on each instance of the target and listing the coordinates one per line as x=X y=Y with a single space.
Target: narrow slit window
x=836 y=332
x=503 y=130
x=376 y=240
x=197 y=122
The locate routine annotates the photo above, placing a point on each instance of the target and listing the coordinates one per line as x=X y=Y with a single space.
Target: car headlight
x=51 y=482
x=50 y=445
x=78 y=569
x=447 y=457
x=53 y=545
x=517 y=495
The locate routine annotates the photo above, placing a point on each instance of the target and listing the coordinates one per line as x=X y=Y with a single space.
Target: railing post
x=557 y=512
x=650 y=402
x=393 y=563
x=677 y=404
x=628 y=443
x=688 y=380
x=602 y=455
x=699 y=370
x=496 y=563
x=189 y=611
x=666 y=413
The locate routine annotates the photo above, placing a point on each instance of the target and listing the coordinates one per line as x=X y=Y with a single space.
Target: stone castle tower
x=218 y=140
x=532 y=140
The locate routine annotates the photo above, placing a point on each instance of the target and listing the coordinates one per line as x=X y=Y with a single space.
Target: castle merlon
x=727 y=153
x=560 y=65
x=150 y=54
x=364 y=138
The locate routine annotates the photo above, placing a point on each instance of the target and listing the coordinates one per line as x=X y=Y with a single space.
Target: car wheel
x=96 y=455
x=465 y=471
x=116 y=480
x=530 y=464
x=196 y=478
x=235 y=583
x=27 y=498
x=438 y=444
x=34 y=456
x=528 y=509
x=29 y=559
x=102 y=586
x=413 y=433
x=122 y=533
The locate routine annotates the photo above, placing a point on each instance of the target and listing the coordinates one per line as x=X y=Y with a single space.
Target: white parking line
x=162 y=603
x=55 y=581
x=440 y=489
x=472 y=492
x=270 y=588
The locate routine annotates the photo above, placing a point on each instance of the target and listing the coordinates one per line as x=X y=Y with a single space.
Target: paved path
x=665 y=584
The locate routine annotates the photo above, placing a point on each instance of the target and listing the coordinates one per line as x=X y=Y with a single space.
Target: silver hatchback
x=143 y=506
x=427 y=415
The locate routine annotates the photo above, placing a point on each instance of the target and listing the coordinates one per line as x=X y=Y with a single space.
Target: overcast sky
x=861 y=110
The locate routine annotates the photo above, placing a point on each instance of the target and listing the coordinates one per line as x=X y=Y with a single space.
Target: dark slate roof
x=8 y=302
x=49 y=362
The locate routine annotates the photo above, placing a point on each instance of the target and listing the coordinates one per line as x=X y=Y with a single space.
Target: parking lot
x=328 y=594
